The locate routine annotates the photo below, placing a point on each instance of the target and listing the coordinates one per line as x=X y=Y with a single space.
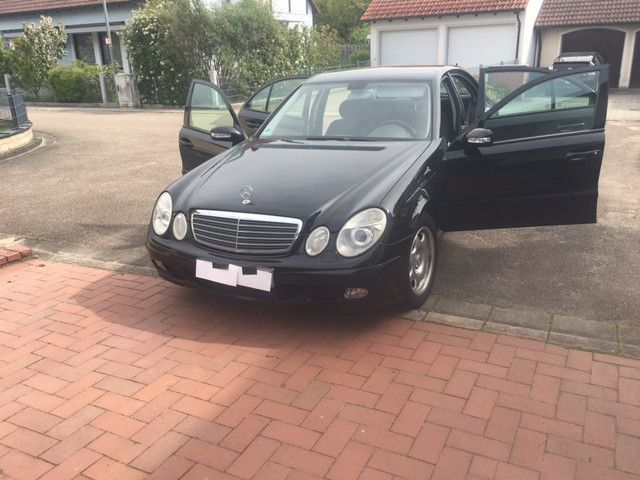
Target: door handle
x=254 y=123
x=185 y=142
x=581 y=156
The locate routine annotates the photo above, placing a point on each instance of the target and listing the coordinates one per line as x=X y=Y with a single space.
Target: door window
x=559 y=105
x=208 y=109
x=280 y=91
x=259 y=100
x=499 y=84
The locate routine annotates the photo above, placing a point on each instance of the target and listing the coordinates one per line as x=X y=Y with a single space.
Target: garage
x=409 y=47
x=466 y=33
x=609 y=28
x=607 y=42
x=482 y=45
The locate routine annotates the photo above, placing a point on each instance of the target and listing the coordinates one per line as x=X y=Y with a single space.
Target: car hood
x=303 y=180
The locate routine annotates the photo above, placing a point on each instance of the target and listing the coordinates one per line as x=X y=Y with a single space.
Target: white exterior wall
x=447 y=27
x=551 y=46
x=294 y=12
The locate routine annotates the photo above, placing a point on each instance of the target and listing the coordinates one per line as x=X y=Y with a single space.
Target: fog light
x=354 y=293
x=179 y=226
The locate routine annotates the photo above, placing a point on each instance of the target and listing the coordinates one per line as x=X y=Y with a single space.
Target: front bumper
x=290 y=284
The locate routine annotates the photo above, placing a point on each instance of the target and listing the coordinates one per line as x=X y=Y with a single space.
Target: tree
x=169 y=42
x=37 y=52
x=322 y=47
x=6 y=62
x=252 y=47
x=344 y=17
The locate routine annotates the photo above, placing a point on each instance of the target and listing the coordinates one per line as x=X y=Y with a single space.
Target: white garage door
x=409 y=47
x=482 y=45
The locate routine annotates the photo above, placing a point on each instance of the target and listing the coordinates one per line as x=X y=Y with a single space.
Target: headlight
x=179 y=226
x=361 y=232
x=162 y=214
x=317 y=241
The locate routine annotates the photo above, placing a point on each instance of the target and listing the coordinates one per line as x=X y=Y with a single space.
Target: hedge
x=79 y=83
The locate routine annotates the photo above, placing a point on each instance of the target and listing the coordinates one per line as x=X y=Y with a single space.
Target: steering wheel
x=408 y=130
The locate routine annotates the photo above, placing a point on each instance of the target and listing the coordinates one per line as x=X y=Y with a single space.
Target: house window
x=83 y=43
x=104 y=48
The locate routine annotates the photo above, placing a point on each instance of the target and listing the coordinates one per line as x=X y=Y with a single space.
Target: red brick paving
x=13 y=253
x=109 y=375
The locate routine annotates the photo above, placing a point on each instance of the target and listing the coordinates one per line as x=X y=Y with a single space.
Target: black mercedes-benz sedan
x=339 y=196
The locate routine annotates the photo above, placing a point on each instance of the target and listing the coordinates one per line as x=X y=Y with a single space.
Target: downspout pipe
x=518 y=35
x=538 y=46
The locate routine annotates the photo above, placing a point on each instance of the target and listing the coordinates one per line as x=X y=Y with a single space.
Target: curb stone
x=12 y=252
x=556 y=329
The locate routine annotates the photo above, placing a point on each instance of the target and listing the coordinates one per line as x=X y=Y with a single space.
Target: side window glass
x=561 y=105
x=564 y=93
x=259 y=100
x=280 y=91
x=497 y=85
x=447 y=113
x=208 y=109
x=468 y=97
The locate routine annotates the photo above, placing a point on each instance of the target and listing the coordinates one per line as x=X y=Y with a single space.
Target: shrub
x=169 y=42
x=79 y=83
x=37 y=52
x=359 y=56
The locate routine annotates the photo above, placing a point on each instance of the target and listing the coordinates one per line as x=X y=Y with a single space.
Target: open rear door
x=539 y=161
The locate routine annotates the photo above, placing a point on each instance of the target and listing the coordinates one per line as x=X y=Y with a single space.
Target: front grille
x=244 y=232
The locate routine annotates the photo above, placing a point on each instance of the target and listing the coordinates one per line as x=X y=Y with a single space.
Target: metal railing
x=13 y=110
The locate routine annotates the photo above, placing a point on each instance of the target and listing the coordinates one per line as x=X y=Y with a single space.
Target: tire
x=420 y=264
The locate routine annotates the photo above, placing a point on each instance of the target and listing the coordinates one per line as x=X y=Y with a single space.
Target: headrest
x=353 y=108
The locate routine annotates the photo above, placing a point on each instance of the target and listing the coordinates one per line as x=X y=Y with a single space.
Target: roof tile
x=8 y=7
x=588 y=12
x=390 y=9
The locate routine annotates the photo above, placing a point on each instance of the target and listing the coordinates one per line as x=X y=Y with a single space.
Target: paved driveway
x=90 y=191
x=108 y=376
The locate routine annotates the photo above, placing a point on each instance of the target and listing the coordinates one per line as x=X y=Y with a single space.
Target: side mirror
x=479 y=137
x=231 y=134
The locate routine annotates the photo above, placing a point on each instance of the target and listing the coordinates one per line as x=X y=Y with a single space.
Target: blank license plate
x=232 y=275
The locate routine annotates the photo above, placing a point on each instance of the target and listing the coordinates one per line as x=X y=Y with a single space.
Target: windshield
x=366 y=111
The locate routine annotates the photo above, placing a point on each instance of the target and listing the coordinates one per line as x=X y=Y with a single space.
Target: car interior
x=399 y=118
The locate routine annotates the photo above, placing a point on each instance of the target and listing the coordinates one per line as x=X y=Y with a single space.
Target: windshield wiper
x=287 y=140
x=342 y=139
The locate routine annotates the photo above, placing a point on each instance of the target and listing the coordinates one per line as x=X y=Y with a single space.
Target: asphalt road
x=91 y=187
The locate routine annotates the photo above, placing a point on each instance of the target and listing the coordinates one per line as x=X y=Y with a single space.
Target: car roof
x=426 y=72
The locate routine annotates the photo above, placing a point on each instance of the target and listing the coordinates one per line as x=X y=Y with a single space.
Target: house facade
x=609 y=27
x=294 y=13
x=469 y=34
x=474 y=33
x=84 y=21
